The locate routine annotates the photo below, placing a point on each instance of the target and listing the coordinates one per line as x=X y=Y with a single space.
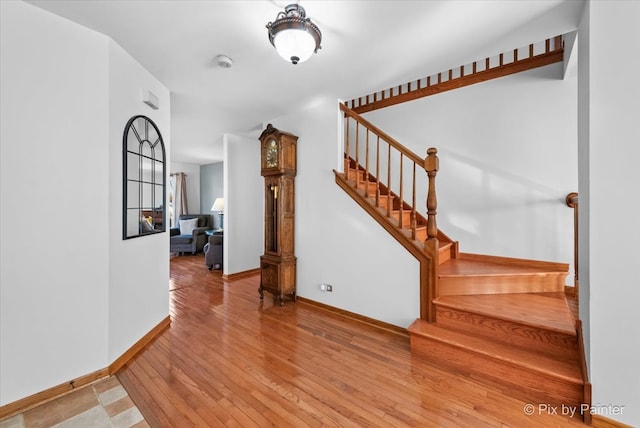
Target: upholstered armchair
x=213 y=252
x=190 y=233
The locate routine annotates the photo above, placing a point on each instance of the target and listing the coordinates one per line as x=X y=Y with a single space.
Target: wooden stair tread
x=531 y=360
x=548 y=311
x=444 y=245
x=462 y=267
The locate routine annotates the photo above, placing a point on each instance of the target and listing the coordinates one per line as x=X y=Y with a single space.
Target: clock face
x=271 y=154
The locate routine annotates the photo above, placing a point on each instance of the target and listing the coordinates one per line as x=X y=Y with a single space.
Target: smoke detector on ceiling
x=224 y=61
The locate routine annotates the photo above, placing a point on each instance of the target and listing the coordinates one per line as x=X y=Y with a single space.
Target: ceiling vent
x=224 y=61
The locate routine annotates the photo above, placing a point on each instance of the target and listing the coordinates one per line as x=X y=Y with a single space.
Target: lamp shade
x=295 y=45
x=293 y=35
x=218 y=205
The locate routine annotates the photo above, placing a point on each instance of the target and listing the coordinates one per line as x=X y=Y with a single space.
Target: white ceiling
x=366 y=46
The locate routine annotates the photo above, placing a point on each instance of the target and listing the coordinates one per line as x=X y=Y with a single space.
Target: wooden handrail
x=380 y=133
x=572 y=201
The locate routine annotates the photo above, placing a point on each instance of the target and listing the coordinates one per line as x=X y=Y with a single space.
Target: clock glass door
x=271 y=216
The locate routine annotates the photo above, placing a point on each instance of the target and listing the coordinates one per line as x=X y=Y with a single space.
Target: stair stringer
x=359 y=197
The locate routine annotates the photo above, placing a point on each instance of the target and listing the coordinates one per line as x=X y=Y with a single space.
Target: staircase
x=508 y=323
x=504 y=321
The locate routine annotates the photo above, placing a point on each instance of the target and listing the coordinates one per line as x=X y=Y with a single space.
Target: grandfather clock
x=278 y=167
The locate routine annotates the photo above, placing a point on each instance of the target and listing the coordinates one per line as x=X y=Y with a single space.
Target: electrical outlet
x=326 y=287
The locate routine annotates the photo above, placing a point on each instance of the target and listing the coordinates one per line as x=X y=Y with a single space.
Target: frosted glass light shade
x=293 y=35
x=294 y=45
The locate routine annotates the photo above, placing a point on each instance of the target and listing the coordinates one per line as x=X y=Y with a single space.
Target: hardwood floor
x=229 y=359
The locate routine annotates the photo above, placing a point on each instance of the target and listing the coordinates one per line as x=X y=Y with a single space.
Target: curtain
x=180 y=200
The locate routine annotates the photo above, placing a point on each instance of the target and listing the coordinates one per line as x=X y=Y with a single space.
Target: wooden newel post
x=431 y=164
x=431 y=244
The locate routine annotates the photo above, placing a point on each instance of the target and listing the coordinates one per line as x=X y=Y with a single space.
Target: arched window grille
x=144 y=179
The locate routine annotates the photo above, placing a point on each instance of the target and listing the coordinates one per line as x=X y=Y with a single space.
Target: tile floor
x=104 y=404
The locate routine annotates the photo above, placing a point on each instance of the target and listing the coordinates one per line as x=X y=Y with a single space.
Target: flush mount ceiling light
x=293 y=35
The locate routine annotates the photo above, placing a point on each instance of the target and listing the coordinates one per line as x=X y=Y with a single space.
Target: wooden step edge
x=539 y=264
x=501 y=274
x=445 y=246
x=530 y=360
x=470 y=285
x=444 y=252
x=500 y=316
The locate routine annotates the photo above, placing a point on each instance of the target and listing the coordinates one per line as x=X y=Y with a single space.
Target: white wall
x=609 y=139
x=193 y=184
x=243 y=205
x=55 y=209
x=583 y=178
x=138 y=268
x=508 y=159
x=337 y=242
x=73 y=295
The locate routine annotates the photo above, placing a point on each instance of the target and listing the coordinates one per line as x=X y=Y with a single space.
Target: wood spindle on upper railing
x=557 y=43
x=572 y=202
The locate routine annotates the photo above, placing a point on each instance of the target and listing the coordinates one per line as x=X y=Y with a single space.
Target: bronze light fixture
x=293 y=35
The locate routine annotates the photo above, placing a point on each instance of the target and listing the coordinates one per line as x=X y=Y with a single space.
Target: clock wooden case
x=278 y=167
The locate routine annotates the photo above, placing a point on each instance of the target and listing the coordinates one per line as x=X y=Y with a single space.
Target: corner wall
x=139 y=267
x=244 y=215
x=55 y=207
x=610 y=151
x=74 y=296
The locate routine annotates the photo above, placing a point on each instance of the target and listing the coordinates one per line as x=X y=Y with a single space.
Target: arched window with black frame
x=144 y=179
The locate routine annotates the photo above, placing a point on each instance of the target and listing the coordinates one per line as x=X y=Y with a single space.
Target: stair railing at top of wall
x=528 y=57
x=376 y=162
